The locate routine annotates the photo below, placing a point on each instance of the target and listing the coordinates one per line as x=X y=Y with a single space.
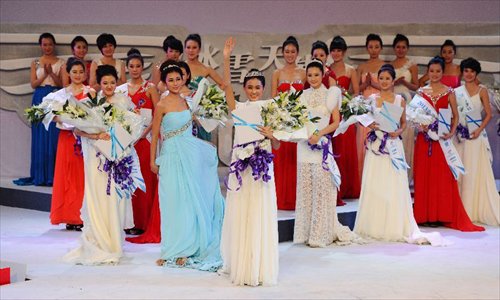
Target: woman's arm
x=55 y=77
x=35 y=82
x=485 y=99
x=228 y=49
x=123 y=76
x=274 y=83
x=92 y=136
x=216 y=77
x=402 y=122
x=155 y=75
x=93 y=79
x=155 y=132
x=64 y=76
x=354 y=81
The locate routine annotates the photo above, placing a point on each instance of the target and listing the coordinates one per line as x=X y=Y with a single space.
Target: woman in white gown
x=316 y=222
x=385 y=207
x=250 y=230
x=477 y=187
x=104 y=214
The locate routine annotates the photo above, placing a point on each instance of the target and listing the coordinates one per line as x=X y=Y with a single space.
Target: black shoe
x=134 y=231
x=434 y=224
x=78 y=227
x=70 y=227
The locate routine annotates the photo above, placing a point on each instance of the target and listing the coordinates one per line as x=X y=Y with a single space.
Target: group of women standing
x=184 y=208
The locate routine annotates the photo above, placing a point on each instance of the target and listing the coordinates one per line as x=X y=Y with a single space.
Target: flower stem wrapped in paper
x=209 y=105
x=289 y=119
x=353 y=110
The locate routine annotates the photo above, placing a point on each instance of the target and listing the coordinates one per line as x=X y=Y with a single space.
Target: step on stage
x=39 y=197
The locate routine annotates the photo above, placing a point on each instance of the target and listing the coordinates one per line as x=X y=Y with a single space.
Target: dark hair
x=73 y=61
x=193 y=37
x=105 y=38
x=291 y=40
x=261 y=78
x=46 y=35
x=172 y=43
x=400 y=38
x=436 y=60
x=77 y=39
x=470 y=63
x=388 y=68
x=105 y=70
x=167 y=67
x=315 y=64
x=374 y=37
x=319 y=45
x=338 y=42
x=449 y=43
x=185 y=66
x=134 y=54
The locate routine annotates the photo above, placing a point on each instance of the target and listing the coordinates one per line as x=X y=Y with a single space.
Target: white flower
x=245 y=152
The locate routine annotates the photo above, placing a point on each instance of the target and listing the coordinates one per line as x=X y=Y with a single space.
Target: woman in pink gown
x=451 y=75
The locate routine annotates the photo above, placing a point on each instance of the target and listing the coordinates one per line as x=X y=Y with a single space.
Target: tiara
x=170 y=66
x=315 y=60
x=254 y=74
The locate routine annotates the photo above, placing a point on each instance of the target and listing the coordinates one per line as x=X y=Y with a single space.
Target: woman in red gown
x=79 y=49
x=145 y=96
x=437 y=200
x=451 y=76
x=67 y=192
x=344 y=144
x=285 y=158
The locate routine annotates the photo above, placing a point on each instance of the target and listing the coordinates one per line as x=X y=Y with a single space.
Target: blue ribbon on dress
x=244 y=123
x=385 y=113
x=114 y=143
x=443 y=121
x=477 y=122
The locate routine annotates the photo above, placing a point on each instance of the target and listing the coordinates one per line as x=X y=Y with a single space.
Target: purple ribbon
x=259 y=161
x=463 y=132
x=77 y=147
x=325 y=147
x=432 y=127
x=119 y=171
x=372 y=137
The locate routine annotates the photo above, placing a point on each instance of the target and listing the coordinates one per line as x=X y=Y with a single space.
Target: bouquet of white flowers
x=289 y=119
x=352 y=110
x=209 y=105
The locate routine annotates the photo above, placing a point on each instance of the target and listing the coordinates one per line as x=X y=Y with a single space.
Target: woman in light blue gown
x=191 y=203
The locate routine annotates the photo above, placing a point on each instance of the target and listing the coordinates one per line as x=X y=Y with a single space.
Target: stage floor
x=468 y=269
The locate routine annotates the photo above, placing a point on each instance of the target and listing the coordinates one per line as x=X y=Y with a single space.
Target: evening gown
x=250 y=232
x=67 y=192
x=385 y=206
x=344 y=145
x=477 y=187
x=43 y=142
x=409 y=133
x=104 y=216
x=191 y=203
x=142 y=202
x=316 y=221
x=436 y=191
x=285 y=162
x=452 y=81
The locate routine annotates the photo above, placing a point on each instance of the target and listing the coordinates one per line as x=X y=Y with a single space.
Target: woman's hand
x=228 y=47
x=475 y=134
x=48 y=69
x=447 y=135
x=395 y=134
x=103 y=136
x=314 y=139
x=423 y=128
x=266 y=131
x=400 y=81
x=154 y=168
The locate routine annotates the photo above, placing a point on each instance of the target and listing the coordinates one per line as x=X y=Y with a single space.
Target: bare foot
x=160 y=262
x=181 y=261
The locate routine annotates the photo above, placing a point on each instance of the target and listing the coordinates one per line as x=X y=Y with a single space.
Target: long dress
x=477 y=187
x=285 y=163
x=344 y=146
x=409 y=133
x=142 y=202
x=250 y=231
x=191 y=203
x=43 y=142
x=361 y=131
x=436 y=190
x=67 y=192
x=105 y=216
x=385 y=206
x=316 y=221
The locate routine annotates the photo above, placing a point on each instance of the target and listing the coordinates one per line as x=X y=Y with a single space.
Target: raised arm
x=228 y=49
